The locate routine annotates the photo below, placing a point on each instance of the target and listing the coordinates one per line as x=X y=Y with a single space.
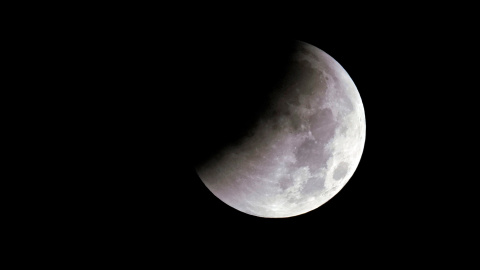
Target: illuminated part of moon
x=302 y=151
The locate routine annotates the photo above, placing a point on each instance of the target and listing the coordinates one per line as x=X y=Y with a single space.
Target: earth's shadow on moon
x=239 y=83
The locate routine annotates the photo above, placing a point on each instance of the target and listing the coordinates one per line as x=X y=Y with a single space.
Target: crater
x=340 y=171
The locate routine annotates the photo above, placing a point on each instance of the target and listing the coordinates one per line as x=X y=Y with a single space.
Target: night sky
x=188 y=83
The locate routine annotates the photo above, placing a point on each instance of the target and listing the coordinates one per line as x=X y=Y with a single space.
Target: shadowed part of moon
x=237 y=92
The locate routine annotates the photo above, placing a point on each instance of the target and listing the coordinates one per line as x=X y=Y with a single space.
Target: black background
x=117 y=102
x=173 y=82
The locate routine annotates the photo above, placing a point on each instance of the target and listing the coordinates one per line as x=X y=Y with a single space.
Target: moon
x=302 y=150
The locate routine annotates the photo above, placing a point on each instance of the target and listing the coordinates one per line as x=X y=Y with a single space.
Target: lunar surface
x=302 y=150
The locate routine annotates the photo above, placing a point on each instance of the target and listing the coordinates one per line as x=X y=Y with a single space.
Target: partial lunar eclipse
x=302 y=151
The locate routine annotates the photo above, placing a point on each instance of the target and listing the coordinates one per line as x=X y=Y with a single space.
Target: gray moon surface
x=302 y=151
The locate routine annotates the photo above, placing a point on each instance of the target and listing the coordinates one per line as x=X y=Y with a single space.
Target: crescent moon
x=302 y=151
